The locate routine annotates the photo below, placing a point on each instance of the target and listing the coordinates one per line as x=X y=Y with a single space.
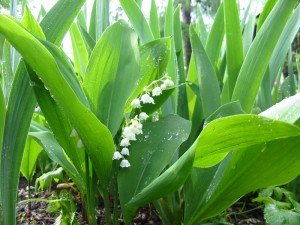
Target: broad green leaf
x=81 y=56
x=259 y=54
x=137 y=20
x=30 y=156
x=287 y=110
x=208 y=83
x=154 y=59
x=267 y=164
x=168 y=182
x=229 y=109
x=7 y=70
x=99 y=144
x=67 y=71
x=154 y=20
x=233 y=133
x=149 y=155
x=112 y=74
x=234 y=42
x=22 y=103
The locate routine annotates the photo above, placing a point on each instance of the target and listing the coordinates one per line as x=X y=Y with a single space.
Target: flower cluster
x=134 y=126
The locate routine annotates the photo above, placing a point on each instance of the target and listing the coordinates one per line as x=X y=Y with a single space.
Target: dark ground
x=244 y=212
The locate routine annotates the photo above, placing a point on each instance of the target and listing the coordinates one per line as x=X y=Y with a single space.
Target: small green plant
x=65 y=208
x=281 y=206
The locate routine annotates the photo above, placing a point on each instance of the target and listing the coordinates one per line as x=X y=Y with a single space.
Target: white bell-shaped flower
x=147 y=99
x=156 y=91
x=117 y=156
x=124 y=163
x=125 y=151
x=168 y=83
x=125 y=142
x=143 y=116
x=135 y=103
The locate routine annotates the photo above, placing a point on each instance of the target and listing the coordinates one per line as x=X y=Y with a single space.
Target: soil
x=242 y=213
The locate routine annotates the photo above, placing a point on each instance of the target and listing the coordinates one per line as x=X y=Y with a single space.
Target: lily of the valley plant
x=127 y=122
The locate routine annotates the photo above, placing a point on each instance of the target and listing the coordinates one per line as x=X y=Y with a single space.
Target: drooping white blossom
x=143 y=116
x=135 y=103
x=163 y=86
x=168 y=83
x=124 y=163
x=117 y=156
x=124 y=142
x=125 y=151
x=156 y=91
x=129 y=134
x=147 y=99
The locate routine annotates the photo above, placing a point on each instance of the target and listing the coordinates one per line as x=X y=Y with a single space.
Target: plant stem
x=107 y=208
x=29 y=196
x=90 y=195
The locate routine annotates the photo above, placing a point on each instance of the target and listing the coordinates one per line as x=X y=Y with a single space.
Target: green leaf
x=286 y=38
x=182 y=105
x=234 y=42
x=81 y=55
x=56 y=153
x=99 y=144
x=2 y=118
x=60 y=18
x=113 y=69
x=154 y=20
x=20 y=109
x=149 y=155
x=30 y=156
x=208 y=83
x=233 y=133
x=89 y=41
x=287 y=110
x=259 y=54
x=137 y=20
x=154 y=59
x=45 y=180
x=7 y=71
x=158 y=100
x=31 y=24
x=229 y=109
x=251 y=168
x=215 y=37
x=276 y=216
